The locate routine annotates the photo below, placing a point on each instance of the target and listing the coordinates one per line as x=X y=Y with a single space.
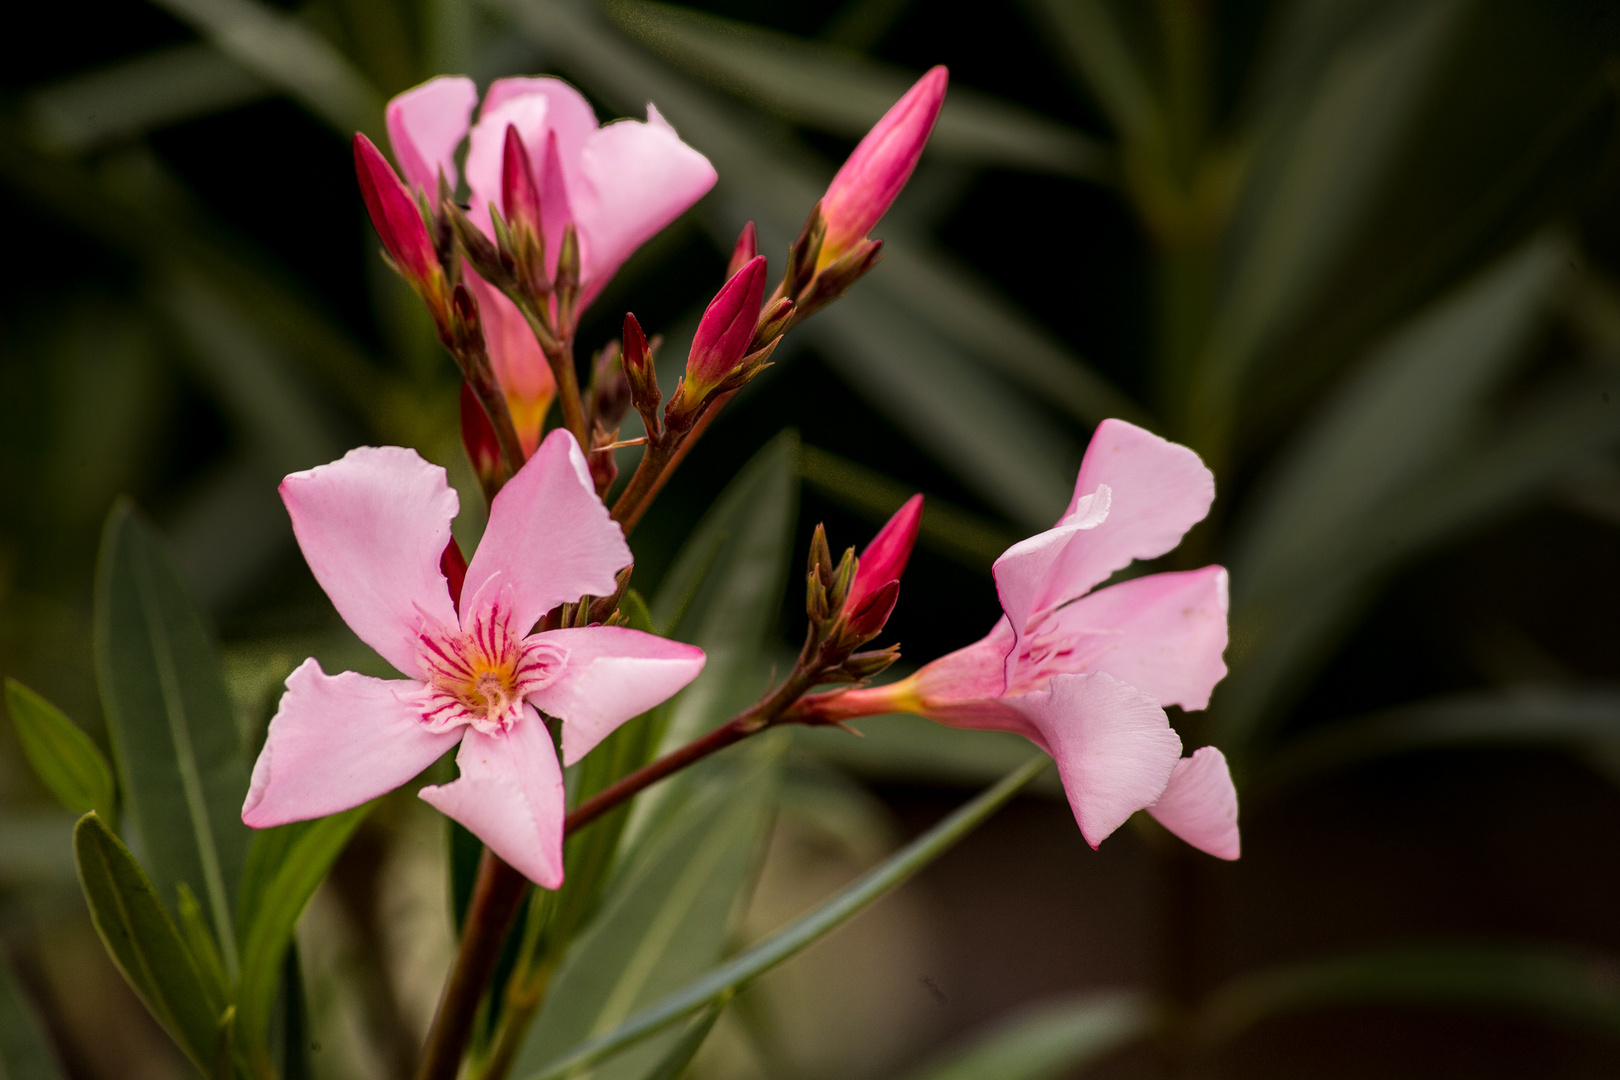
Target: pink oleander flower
x=375 y=529
x=879 y=167
x=618 y=184
x=1086 y=675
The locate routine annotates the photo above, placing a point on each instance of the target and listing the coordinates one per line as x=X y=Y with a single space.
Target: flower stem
x=497 y=896
x=561 y=359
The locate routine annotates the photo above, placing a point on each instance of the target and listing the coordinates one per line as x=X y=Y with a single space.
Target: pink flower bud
x=395 y=215
x=865 y=620
x=478 y=439
x=867 y=185
x=884 y=559
x=520 y=198
x=747 y=247
x=727 y=327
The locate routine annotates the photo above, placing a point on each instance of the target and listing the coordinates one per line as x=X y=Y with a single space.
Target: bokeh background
x=1363 y=255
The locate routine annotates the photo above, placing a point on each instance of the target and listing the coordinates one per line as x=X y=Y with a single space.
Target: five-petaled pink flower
x=618 y=184
x=1085 y=675
x=373 y=527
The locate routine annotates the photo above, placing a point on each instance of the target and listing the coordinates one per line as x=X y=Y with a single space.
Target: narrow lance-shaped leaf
x=175 y=736
x=64 y=758
x=799 y=934
x=142 y=940
x=679 y=1058
x=285 y=866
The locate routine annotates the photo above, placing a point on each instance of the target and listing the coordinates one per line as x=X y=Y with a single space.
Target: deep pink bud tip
x=728 y=325
x=394 y=213
x=520 y=198
x=884 y=559
x=867 y=185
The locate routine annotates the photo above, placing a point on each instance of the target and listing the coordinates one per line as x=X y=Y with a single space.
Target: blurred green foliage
x=1360 y=254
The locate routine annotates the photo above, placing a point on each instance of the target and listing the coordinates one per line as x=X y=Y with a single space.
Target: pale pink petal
x=1025 y=572
x=567 y=112
x=1163 y=633
x=635 y=178
x=612 y=673
x=549 y=538
x=1158 y=490
x=510 y=796
x=1114 y=748
x=425 y=125
x=373 y=526
x=338 y=741
x=1200 y=804
x=520 y=366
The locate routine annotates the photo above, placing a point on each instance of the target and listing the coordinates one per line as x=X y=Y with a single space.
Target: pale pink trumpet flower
x=1086 y=675
x=618 y=184
x=375 y=527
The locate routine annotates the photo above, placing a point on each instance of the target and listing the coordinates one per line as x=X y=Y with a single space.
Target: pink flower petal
x=885 y=558
x=1200 y=804
x=338 y=741
x=972 y=672
x=1114 y=748
x=1025 y=572
x=426 y=124
x=1158 y=490
x=568 y=113
x=636 y=178
x=612 y=674
x=373 y=526
x=520 y=366
x=1163 y=633
x=549 y=538
x=486 y=150
x=510 y=795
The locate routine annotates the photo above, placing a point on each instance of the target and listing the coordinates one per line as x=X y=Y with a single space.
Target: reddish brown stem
x=497 y=897
x=732 y=731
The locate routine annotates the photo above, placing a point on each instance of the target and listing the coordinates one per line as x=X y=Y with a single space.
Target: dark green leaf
x=666 y=917
x=797 y=935
x=200 y=940
x=1050 y=1040
x=65 y=759
x=1086 y=37
x=1569 y=988
x=24 y=1053
x=175 y=736
x=294 y=861
x=142 y=940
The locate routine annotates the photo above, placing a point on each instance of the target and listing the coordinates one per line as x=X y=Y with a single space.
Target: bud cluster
x=842 y=619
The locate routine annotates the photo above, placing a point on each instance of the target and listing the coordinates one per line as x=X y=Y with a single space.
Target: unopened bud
x=520 y=200
x=398 y=220
x=815 y=599
x=864 y=621
x=884 y=559
x=773 y=323
x=843 y=577
x=867 y=184
x=567 y=282
x=821 y=563
x=805 y=254
x=453 y=564
x=747 y=247
x=609 y=396
x=865 y=665
x=475 y=246
x=640 y=373
x=467 y=330
x=726 y=330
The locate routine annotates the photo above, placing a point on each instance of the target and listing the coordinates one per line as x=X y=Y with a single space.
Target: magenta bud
x=884 y=559
x=727 y=328
x=478 y=439
x=867 y=185
x=865 y=620
x=747 y=247
x=453 y=564
x=396 y=216
x=520 y=198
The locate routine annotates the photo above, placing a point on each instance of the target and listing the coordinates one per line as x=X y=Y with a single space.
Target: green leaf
x=1557 y=985
x=133 y=97
x=200 y=940
x=24 y=1052
x=903 y=748
x=1312 y=182
x=679 y=1058
x=289 y=55
x=174 y=733
x=1051 y=1039
x=797 y=935
x=725 y=589
x=64 y=758
x=668 y=915
x=961 y=535
x=285 y=866
x=812 y=83
x=142 y=940
x=1517 y=716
